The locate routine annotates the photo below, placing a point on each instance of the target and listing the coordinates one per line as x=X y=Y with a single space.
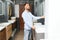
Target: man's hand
x=42 y=16
x=33 y=27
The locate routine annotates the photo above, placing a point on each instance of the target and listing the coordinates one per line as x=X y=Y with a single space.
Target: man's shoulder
x=24 y=13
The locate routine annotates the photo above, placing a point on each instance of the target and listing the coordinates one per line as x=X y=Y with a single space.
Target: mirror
x=39 y=7
x=1 y=8
x=10 y=8
x=39 y=10
x=9 y=11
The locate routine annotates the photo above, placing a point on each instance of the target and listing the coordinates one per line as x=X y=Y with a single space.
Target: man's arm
x=34 y=17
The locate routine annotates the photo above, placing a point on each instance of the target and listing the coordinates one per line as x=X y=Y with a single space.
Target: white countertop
x=5 y=24
x=39 y=28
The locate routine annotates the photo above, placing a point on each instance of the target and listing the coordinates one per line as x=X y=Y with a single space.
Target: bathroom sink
x=1 y=25
x=4 y=24
x=39 y=28
x=11 y=21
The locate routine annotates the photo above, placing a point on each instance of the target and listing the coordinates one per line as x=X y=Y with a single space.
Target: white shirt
x=28 y=19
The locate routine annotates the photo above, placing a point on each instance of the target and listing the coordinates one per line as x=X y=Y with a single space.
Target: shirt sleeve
x=34 y=17
x=26 y=20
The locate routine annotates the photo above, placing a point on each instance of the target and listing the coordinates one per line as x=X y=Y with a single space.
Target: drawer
x=8 y=31
x=3 y=34
x=9 y=28
x=9 y=34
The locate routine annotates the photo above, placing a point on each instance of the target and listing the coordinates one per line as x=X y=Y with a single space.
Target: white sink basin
x=4 y=24
x=39 y=28
x=11 y=21
x=7 y=23
x=1 y=25
x=13 y=18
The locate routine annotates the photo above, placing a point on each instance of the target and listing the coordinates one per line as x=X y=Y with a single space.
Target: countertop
x=5 y=24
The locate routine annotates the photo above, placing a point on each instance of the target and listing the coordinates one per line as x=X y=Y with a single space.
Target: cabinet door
x=3 y=34
x=8 y=31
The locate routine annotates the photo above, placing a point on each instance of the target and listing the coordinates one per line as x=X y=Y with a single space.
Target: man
x=28 y=21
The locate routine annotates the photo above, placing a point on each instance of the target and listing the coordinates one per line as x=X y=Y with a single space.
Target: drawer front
x=8 y=31
x=3 y=35
x=9 y=34
x=8 y=27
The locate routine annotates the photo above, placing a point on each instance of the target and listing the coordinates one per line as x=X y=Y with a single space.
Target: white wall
x=17 y=10
x=52 y=13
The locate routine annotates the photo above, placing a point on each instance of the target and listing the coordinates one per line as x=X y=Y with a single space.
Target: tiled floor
x=19 y=35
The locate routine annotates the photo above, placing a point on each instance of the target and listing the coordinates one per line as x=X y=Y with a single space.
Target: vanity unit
x=6 y=30
x=3 y=12
x=40 y=32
